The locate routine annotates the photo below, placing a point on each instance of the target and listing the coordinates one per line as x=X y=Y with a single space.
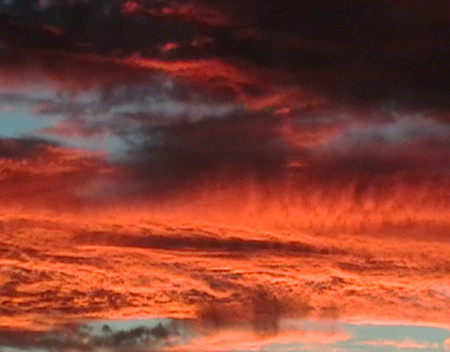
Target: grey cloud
x=82 y=338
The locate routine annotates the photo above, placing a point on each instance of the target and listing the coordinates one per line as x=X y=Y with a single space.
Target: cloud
x=447 y=344
x=33 y=167
x=319 y=128
x=144 y=264
x=241 y=338
x=81 y=338
x=197 y=242
x=407 y=344
x=174 y=335
x=25 y=67
x=367 y=64
x=221 y=119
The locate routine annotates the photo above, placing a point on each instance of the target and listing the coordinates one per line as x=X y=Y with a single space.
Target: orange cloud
x=122 y=264
x=242 y=339
x=447 y=344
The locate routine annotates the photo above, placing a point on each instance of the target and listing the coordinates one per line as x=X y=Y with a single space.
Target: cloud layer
x=180 y=152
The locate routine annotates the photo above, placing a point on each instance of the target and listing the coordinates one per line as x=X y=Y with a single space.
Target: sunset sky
x=224 y=175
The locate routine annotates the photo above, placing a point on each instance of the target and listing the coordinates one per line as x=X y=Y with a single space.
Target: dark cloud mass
x=213 y=92
x=202 y=243
x=355 y=51
x=83 y=338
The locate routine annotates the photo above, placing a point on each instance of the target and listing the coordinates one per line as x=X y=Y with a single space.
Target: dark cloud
x=79 y=337
x=203 y=243
x=14 y=149
x=258 y=306
x=355 y=51
x=266 y=311
x=91 y=26
x=352 y=51
x=236 y=147
x=31 y=167
x=27 y=67
x=301 y=98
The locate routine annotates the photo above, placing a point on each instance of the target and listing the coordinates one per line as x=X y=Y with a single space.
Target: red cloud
x=69 y=72
x=130 y=7
x=36 y=173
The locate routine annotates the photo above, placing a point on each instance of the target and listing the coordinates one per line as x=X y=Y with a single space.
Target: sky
x=254 y=175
